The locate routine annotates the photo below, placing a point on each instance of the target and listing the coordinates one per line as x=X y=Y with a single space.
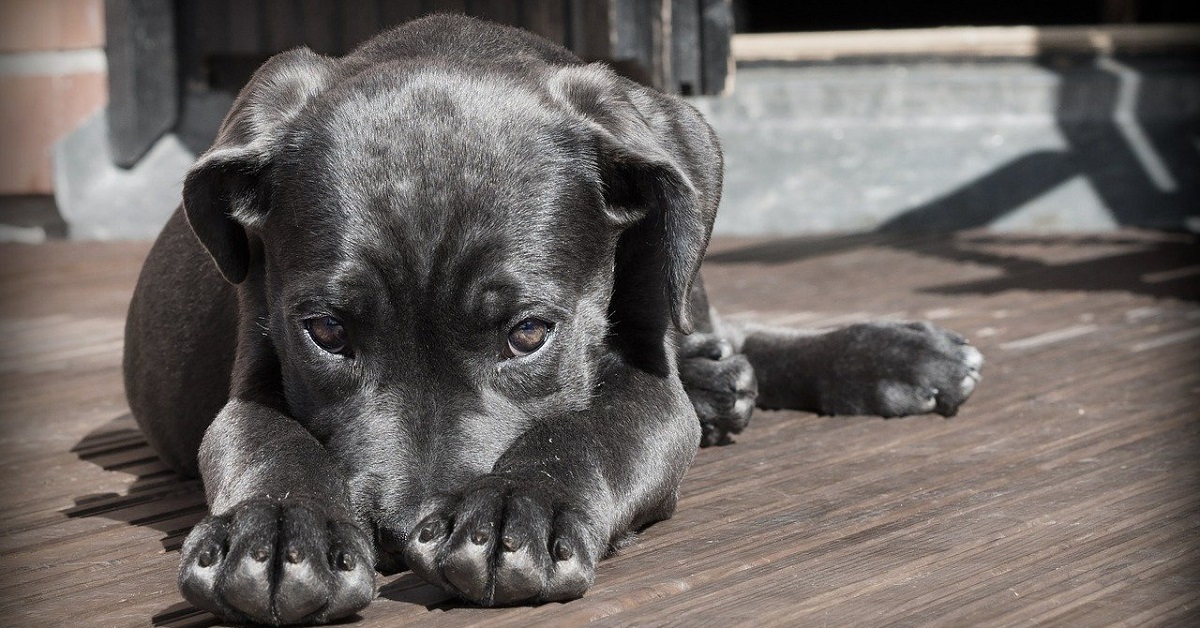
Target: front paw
x=898 y=369
x=277 y=561
x=506 y=542
x=720 y=384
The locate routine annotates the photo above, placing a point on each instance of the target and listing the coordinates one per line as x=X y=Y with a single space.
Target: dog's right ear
x=660 y=168
x=227 y=190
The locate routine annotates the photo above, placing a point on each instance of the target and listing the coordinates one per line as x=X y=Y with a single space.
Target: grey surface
x=1013 y=145
x=100 y=201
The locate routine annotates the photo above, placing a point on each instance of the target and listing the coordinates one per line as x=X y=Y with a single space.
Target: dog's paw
x=505 y=542
x=720 y=384
x=898 y=369
x=277 y=562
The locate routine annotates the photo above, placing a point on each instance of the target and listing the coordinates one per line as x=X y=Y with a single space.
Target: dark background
x=775 y=16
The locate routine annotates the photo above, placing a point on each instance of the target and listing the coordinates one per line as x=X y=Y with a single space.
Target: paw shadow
x=411 y=589
x=158 y=498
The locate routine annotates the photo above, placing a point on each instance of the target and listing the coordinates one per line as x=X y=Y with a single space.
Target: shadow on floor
x=161 y=500
x=1162 y=269
x=158 y=499
x=1152 y=264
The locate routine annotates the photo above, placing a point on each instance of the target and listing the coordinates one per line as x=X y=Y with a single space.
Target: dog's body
x=443 y=327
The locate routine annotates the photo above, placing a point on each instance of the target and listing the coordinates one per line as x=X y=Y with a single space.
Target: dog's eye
x=528 y=336
x=328 y=333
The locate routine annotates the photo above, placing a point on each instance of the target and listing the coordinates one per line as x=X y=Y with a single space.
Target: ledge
x=990 y=41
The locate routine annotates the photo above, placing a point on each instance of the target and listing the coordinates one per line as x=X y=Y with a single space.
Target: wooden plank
x=142 y=86
x=393 y=12
x=590 y=29
x=547 y=18
x=640 y=43
x=359 y=21
x=717 y=59
x=245 y=26
x=284 y=28
x=686 y=42
x=321 y=26
x=501 y=11
x=447 y=6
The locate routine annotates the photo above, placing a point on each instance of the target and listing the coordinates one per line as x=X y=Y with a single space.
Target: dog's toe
x=971 y=357
x=965 y=367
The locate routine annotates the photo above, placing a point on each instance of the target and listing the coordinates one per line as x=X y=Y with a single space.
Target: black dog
x=447 y=327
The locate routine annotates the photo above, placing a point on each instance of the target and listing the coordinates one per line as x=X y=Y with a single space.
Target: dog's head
x=435 y=256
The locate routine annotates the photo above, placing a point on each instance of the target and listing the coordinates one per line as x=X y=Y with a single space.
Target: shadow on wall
x=1144 y=165
x=1156 y=265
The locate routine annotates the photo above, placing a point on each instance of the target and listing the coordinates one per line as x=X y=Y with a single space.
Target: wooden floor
x=1067 y=492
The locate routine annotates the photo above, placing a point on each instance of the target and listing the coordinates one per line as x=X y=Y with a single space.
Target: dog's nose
x=390 y=542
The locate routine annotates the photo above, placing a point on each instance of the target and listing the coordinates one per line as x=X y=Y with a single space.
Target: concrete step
x=1070 y=143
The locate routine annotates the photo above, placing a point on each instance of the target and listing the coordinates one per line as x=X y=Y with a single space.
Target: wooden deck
x=1066 y=492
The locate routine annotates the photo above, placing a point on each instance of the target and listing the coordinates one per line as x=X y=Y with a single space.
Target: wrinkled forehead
x=440 y=127
x=438 y=166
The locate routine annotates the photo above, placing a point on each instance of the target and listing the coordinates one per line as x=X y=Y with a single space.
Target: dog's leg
x=281 y=546
x=561 y=496
x=881 y=368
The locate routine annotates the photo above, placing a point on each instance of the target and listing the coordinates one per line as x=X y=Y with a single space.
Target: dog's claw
x=562 y=551
x=207 y=557
x=433 y=530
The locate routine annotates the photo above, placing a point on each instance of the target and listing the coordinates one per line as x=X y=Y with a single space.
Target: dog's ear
x=660 y=167
x=226 y=191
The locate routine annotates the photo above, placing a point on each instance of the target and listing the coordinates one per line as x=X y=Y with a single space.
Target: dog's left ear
x=660 y=166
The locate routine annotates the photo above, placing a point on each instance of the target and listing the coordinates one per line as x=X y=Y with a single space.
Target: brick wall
x=52 y=77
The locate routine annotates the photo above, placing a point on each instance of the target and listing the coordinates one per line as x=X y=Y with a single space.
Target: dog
x=434 y=305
